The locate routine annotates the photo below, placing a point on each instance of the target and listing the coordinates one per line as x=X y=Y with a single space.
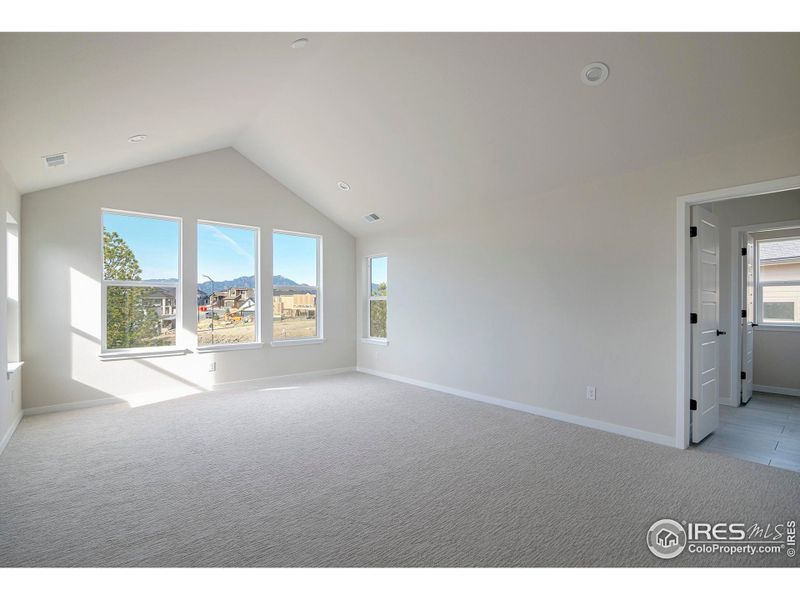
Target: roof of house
x=779 y=250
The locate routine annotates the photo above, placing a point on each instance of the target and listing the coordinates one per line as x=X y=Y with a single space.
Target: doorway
x=738 y=287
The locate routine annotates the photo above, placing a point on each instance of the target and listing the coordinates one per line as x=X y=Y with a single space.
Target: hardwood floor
x=766 y=430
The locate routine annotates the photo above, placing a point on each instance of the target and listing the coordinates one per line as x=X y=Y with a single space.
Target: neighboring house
x=230 y=298
x=163 y=300
x=779 y=279
x=247 y=311
x=294 y=304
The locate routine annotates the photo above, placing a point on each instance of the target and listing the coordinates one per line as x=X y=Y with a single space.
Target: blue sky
x=379 y=265
x=154 y=242
x=295 y=257
x=225 y=253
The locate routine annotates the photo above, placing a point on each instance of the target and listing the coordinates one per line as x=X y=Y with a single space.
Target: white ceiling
x=420 y=125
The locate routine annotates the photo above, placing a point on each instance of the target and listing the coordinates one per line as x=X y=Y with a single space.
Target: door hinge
x=692 y=404
x=744 y=251
x=743 y=375
x=693 y=231
x=693 y=318
x=744 y=313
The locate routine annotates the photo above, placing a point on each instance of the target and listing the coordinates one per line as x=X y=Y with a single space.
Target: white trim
x=638 y=434
x=13 y=367
x=10 y=432
x=244 y=384
x=297 y=342
x=229 y=347
x=682 y=299
x=376 y=341
x=51 y=408
x=778 y=328
x=769 y=389
x=139 y=353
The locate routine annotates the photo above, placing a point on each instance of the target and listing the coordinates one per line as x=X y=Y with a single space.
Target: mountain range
x=244 y=282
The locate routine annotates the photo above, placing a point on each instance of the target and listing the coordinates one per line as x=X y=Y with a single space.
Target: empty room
x=399 y=299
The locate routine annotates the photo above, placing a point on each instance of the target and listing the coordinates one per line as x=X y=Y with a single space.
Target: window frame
x=760 y=285
x=257 y=269
x=320 y=337
x=107 y=353
x=368 y=337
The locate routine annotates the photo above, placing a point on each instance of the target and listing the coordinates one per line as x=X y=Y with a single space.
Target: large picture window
x=296 y=303
x=227 y=284
x=141 y=280
x=378 y=267
x=779 y=281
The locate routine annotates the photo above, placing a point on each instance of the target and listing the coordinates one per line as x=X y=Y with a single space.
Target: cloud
x=230 y=242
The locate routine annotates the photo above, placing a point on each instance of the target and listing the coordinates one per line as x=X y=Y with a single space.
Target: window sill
x=12 y=368
x=229 y=347
x=132 y=354
x=785 y=328
x=297 y=342
x=376 y=341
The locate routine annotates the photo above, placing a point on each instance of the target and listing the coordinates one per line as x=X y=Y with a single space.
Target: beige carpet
x=353 y=470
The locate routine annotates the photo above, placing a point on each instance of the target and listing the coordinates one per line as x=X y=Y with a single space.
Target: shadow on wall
x=150 y=379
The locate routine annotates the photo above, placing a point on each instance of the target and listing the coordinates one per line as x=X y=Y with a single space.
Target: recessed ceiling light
x=594 y=73
x=300 y=43
x=135 y=139
x=344 y=186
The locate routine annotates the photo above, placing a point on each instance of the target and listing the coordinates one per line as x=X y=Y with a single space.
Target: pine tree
x=131 y=321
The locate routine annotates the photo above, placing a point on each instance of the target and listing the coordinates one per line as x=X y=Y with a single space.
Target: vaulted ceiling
x=419 y=125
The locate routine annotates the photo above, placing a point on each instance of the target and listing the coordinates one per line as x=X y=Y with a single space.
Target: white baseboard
x=242 y=384
x=10 y=432
x=768 y=389
x=245 y=383
x=50 y=408
x=638 y=434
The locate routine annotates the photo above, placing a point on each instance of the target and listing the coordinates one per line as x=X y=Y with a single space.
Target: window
x=12 y=288
x=227 y=284
x=779 y=281
x=377 y=267
x=296 y=301
x=141 y=281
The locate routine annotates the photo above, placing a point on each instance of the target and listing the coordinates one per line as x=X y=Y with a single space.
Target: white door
x=748 y=319
x=705 y=332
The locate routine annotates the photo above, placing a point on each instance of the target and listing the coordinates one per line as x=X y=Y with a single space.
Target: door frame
x=737 y=282
x=683 y=286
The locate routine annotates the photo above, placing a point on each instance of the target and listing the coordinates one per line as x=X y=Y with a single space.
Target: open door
x=705 y=323
x=748 y=318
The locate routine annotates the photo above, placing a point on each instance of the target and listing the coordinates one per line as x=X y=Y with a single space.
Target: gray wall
x=771 y=208
x=532 y=298
x=61 y=268
x=10 y=390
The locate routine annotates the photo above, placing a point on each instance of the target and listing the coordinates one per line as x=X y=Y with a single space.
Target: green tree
x=377 y=313
x=131 y=320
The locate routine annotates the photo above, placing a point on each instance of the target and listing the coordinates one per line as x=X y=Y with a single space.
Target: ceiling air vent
x=372 y=217
x=55 y=160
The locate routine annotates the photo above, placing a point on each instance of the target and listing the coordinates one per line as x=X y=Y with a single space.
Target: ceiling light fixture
x=594 y=74
x=135 y=139
x=300 y=43
x=344 y=186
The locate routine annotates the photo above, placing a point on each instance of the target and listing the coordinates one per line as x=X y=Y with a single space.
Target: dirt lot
x=225 y=332
x=288 y=329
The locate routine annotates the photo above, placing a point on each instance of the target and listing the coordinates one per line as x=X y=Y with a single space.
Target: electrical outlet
x=212 y=366
x=591 y=392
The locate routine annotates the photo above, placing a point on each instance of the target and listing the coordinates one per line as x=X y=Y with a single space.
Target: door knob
x=721 y=332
